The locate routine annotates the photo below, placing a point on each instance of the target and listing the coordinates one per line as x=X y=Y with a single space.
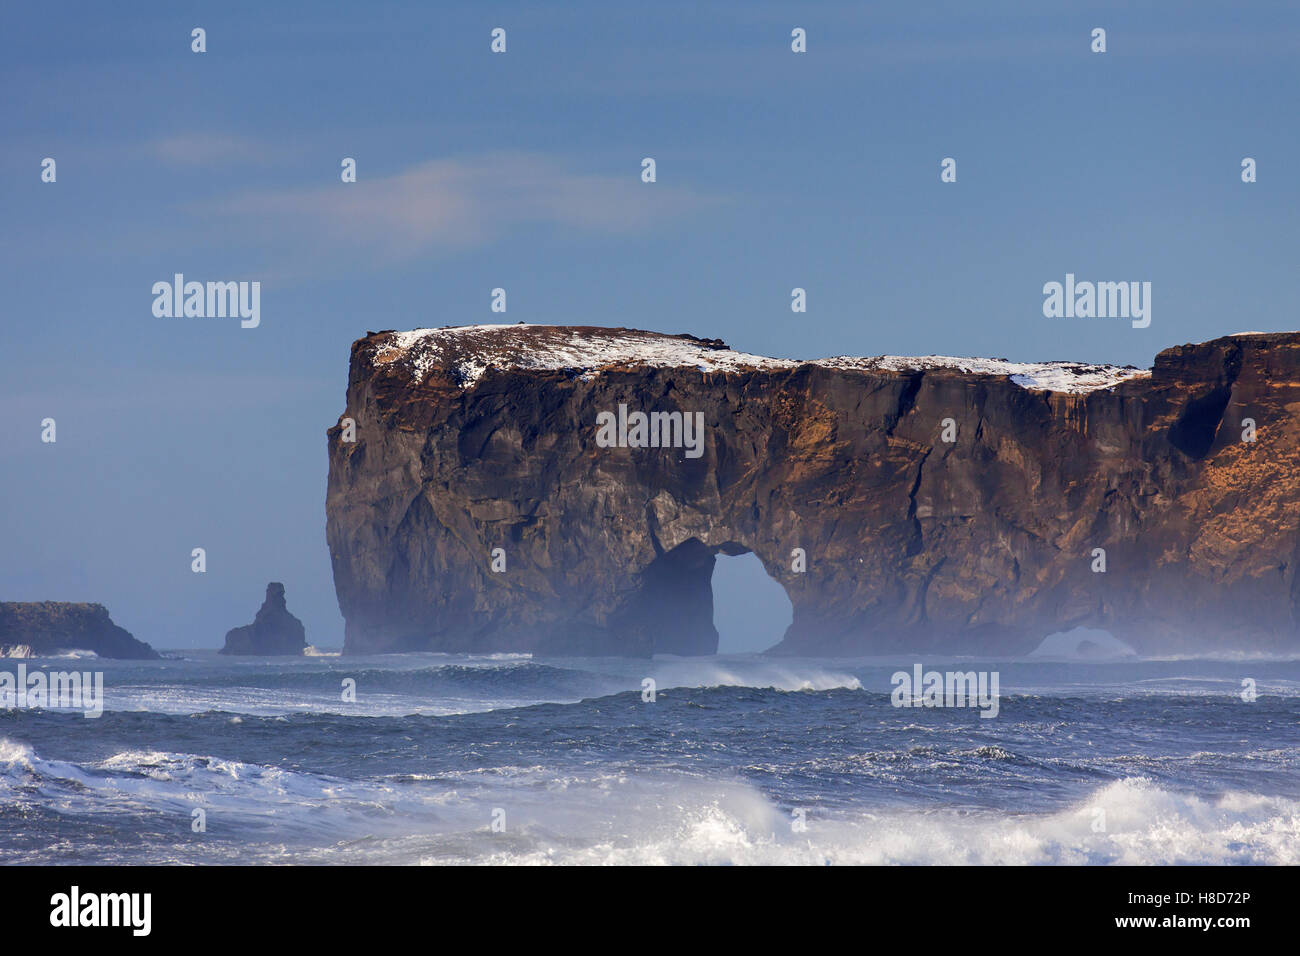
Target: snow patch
x=469 y=351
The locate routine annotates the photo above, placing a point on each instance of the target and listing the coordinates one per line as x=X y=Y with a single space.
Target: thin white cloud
x=453 y=203
x=209 y=149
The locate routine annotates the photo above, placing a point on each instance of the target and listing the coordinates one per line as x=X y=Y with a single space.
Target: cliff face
x=50 y=627
x=480 y=438
x=274 y=631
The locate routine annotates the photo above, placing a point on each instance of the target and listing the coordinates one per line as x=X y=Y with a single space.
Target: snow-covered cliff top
x=469 y=350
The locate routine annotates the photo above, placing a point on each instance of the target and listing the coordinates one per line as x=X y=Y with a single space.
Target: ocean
x=743 y=759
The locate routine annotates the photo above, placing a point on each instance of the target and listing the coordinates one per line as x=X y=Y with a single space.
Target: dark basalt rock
x=274 y=632
x=53 y=627
x=472 y=440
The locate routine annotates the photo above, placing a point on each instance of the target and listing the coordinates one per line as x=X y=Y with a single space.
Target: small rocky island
x=274 y=632
x=48 y=628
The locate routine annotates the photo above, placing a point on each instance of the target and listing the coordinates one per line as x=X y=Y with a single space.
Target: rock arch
x=474 y=440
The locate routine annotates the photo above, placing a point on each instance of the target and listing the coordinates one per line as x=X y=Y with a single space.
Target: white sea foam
x=13 y=753
x=619 y=815
x=1144 y=825
x=278 y=702
x=740 y=671
x=434 y=694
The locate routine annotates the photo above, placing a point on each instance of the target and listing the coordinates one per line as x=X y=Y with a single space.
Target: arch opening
x=751 y=610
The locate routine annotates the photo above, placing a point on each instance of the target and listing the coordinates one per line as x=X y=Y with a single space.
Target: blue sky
x=522 y=170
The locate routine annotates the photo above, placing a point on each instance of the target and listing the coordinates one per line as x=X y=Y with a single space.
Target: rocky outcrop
x=274 y=631
x=476 y=509
x=46 y=628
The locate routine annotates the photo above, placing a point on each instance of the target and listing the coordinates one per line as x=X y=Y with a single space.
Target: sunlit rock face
x=964 y=505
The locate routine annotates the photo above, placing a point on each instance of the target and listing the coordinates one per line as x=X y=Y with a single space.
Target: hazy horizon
x=475 y=171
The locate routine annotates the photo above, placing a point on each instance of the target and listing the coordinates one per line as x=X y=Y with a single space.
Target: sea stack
x=274 y=632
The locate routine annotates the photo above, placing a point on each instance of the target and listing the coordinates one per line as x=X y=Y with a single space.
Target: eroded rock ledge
x=484 y=437
x=46 y=628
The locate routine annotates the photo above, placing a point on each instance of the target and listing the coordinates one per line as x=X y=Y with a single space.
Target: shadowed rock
x=274 y=632
x=45 y=628
x=479 y=438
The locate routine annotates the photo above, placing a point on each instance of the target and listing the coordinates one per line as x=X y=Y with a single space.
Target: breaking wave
x=620 y=818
